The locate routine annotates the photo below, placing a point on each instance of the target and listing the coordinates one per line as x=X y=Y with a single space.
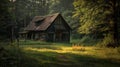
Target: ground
x=66 y=55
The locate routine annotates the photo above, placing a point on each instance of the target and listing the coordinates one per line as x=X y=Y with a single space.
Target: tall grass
x=86 y=41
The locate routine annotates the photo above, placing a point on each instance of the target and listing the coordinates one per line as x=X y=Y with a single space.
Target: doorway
x=58 y=36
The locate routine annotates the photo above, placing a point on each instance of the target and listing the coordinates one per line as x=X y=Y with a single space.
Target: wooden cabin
x=51 y=28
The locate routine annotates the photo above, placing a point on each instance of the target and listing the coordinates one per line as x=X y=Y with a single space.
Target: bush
x=108 y=41
x=89 y=40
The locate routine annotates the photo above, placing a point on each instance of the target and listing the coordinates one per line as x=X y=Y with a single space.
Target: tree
x=5 y=20
x=98 y=17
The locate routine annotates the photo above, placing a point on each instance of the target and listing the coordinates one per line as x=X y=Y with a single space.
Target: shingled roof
x=45 y=22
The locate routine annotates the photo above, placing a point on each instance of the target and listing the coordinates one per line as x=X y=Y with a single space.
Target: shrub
x=108 y=41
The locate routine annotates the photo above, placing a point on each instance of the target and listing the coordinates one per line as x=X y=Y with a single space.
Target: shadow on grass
x=54 y=59
x=35 y=42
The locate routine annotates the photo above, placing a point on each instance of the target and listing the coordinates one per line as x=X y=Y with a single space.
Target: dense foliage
x=99 y=18
x=5 y=19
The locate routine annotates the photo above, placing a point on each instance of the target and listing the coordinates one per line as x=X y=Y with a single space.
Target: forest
x=94 y=35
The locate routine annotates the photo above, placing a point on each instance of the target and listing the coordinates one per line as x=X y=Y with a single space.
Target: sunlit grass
x=69 y=55
x=73 y=55
x=79 y=50
x=60 y=55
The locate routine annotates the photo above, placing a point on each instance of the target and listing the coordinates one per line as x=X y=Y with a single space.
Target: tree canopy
x=98 y=17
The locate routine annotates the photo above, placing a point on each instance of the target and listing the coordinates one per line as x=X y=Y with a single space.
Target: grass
x=32 y=42
x=58 y=56
x=64 y=55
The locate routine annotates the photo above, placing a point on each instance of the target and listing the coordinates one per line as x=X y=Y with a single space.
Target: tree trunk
x=115 y=23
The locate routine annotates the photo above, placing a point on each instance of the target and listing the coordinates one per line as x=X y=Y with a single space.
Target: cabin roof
x=43 y=22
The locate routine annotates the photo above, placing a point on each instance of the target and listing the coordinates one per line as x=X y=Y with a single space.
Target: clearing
x=66 y=55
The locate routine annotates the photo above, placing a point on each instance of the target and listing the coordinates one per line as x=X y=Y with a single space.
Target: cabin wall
x=36 y=35
x=58 y=31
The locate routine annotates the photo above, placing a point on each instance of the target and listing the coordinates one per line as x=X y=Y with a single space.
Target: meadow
x=46 y=54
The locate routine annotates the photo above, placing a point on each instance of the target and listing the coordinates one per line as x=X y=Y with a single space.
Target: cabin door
x=58 y=36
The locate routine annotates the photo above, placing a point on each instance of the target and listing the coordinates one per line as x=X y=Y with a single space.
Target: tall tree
x=5 y=19
x=98 y=17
